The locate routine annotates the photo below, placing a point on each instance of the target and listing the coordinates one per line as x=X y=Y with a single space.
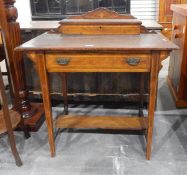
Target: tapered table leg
x=40 y=59
x=152 y=100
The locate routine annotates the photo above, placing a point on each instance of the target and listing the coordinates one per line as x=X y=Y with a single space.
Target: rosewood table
x=115 y=46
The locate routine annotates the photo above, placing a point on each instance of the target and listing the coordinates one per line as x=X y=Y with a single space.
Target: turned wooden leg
x=152 y=100
x=46 y=99
x=27 y=110
x=142 y=81
x=24 y=129
x=12 y=39
x=64 y=92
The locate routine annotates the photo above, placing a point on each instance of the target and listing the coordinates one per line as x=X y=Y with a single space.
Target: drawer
x=97 y=63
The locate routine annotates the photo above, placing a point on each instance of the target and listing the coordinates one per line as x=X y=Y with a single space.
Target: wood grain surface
x=97 y=62
x=59 y=42
x=57 y=52
x=15 y=119
x=101 y=122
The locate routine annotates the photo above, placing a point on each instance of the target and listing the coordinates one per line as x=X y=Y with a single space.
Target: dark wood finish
x=35 y=122
x=8 y=121
x=177 y=76
x=12 y=37
x=166 y=15
x=8 y=15
x=101 y=122
x=57 y=52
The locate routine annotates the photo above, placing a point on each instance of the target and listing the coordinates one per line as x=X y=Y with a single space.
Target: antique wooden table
x=74 y=48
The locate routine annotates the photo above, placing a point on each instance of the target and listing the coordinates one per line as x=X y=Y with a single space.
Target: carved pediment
x=102 y=13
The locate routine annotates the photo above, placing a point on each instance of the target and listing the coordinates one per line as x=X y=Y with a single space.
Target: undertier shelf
x=102 y=122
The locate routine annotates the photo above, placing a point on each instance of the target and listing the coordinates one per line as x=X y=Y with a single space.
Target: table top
x=59 y=42
x=48 y=25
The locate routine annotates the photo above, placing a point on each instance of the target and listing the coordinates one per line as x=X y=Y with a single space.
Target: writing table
x=84 y=52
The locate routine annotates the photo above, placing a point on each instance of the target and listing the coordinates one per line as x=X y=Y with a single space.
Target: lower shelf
x=15 y=118
x=101 y=122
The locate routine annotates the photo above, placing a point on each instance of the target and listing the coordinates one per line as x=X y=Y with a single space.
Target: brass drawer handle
x=133 y=61
x=63 y=61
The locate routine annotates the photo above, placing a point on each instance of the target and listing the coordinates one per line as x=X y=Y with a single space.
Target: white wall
x=24 y=13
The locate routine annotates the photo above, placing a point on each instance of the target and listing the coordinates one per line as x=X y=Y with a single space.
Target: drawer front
x=98 y=63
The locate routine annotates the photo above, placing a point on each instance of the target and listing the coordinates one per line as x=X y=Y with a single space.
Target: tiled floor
x=106 y=154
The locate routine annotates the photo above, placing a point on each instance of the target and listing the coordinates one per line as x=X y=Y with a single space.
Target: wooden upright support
x=12 y=38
